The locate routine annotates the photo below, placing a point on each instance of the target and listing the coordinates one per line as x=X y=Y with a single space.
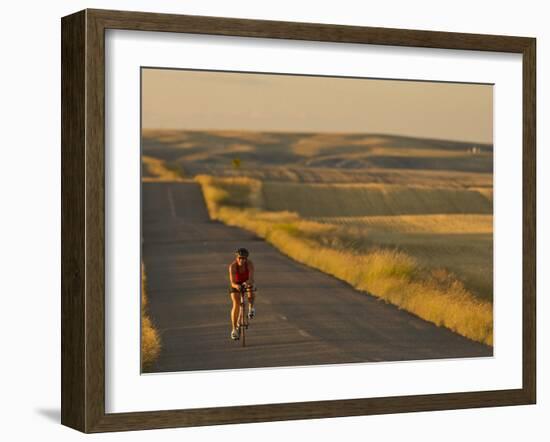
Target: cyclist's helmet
x=241 y=252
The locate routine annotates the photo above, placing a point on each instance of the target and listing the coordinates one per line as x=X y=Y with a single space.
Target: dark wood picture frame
x=83 y=220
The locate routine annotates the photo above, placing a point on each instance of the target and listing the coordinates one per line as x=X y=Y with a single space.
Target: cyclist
x=241 y=274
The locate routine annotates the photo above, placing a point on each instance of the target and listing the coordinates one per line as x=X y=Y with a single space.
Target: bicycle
x=242 y=319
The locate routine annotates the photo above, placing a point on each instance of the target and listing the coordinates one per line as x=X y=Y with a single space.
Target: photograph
x=299 y=220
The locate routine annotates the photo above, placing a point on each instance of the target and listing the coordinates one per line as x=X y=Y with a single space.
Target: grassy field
x=408 y=220
x=154 y=169
x=150 y=339
x=435 y=266
x=329 y=158
x=459 y=244
x=315 y=200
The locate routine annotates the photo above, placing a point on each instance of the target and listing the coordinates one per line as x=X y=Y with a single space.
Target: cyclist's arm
x=235 y=286
x=250 y=272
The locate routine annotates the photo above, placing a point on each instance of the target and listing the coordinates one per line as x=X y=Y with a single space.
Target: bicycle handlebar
x=246 y=286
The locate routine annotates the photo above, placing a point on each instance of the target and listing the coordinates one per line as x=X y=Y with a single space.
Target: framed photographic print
x=271 y=220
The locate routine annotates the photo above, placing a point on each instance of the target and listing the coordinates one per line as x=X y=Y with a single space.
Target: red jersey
x=241 y=273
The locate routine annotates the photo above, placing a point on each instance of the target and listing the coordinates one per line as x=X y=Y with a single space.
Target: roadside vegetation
x=154 y=169
x=150 y=339
x=425 y=249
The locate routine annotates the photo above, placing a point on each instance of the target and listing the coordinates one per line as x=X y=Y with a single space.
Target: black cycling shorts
x=234 y=290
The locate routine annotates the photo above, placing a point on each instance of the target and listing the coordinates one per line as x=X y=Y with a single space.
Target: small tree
x=236 y=163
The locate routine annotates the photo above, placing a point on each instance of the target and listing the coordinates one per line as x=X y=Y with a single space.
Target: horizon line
x=282 y=131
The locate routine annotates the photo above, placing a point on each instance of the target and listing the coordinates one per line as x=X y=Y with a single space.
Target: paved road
x=304 y=317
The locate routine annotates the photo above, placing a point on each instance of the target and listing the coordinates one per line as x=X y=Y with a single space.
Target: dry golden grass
x=237 y=192
x=438 y=223
x=155 y=169
x=348 y=200
x=405 y=177
x=371 y=258
x=460 y=244
x=324 y=157
x=487 y=192
x=150 y=339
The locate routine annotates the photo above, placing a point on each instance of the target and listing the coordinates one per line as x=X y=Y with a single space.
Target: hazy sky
x=179 y=99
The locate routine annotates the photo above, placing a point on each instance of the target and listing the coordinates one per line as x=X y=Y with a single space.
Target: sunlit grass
x=461 y=244
x=150 y=339
x=154 y=169
x=383 y=268
x=324 y=157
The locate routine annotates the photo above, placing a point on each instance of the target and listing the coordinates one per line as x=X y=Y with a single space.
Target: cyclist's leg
x=235 y=298
x=251 y=294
